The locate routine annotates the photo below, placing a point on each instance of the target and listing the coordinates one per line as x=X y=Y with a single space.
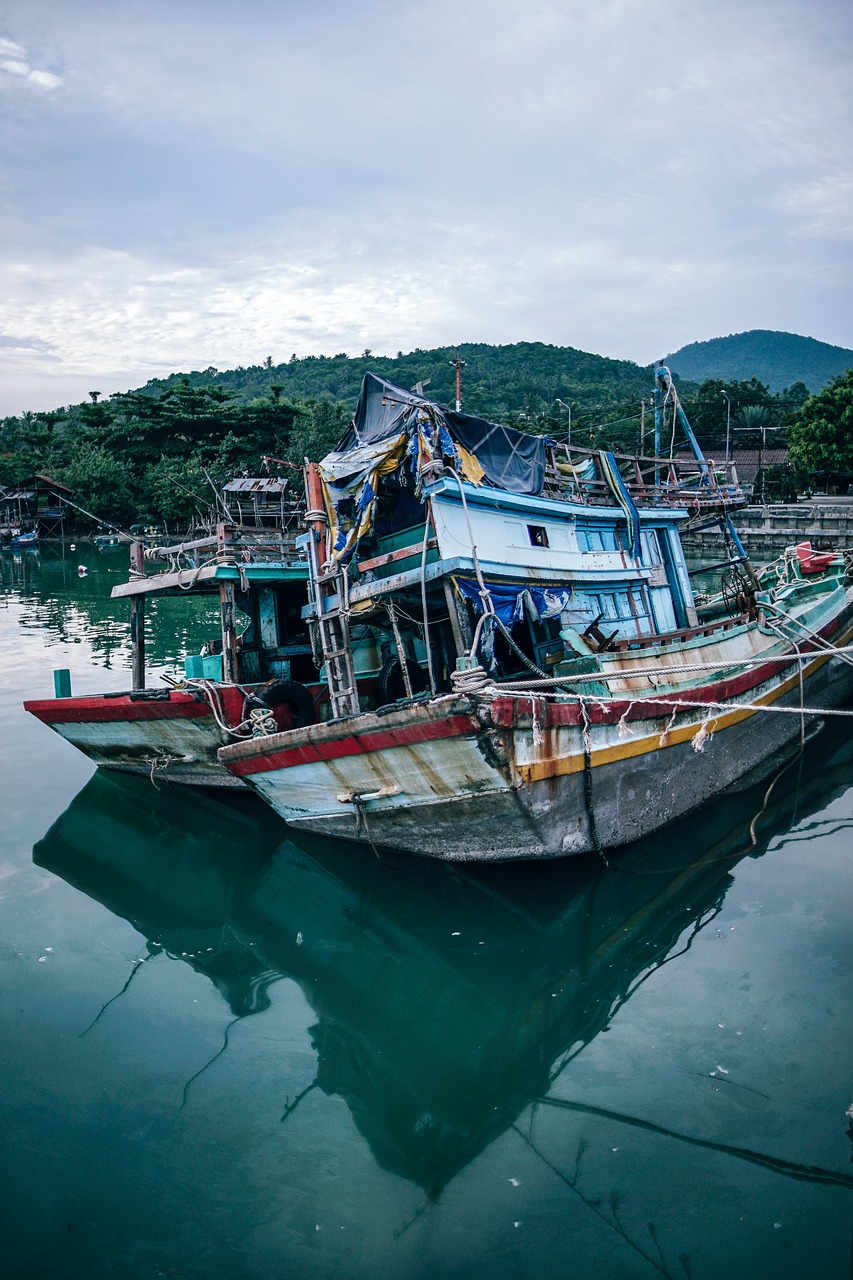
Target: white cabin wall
x=590 y=556
x=505 y=538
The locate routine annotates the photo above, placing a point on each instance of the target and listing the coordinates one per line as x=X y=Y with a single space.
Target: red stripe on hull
x=336 y=741
x=349 y=745
x=100 y=710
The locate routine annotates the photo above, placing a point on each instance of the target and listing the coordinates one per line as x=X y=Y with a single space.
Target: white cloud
x=44 y=80
x=14 y=61
x=325 y=177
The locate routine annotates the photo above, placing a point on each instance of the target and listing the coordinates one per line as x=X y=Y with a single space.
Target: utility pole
x=459 y=365
x=762 y=449
x=728 y=428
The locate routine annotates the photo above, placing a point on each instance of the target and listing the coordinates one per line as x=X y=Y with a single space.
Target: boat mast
x=664 y=384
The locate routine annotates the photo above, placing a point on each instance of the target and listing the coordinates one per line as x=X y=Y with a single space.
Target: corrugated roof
x=257 y=484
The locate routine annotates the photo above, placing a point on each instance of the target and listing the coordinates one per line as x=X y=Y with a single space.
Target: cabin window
x=538 y=535
x=613 y=605
x=598 y=540
x=651 y=547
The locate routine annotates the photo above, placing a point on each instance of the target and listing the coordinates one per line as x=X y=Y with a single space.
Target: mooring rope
x=669 y=700
x=844 y=652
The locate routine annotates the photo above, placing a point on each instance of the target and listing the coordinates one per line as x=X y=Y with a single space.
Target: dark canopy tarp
x=511 y=460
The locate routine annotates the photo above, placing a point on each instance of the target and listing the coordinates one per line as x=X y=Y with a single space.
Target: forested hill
x=495 y=380
x=153 y=454
x=776 y=359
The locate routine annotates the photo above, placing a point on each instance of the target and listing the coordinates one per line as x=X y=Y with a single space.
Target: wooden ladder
x=335 y=645
x=328 y=590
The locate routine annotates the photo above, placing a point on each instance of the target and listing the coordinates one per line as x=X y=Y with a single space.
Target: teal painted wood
x=62 y=683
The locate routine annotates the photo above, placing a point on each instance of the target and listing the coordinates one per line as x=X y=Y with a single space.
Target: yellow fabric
x=470 y=467
x=390 y=462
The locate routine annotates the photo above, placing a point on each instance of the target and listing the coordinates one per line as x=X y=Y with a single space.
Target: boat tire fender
x=390 y=686
x=295 y=697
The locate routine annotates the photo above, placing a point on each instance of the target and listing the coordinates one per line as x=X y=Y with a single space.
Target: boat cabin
x=258 y=574
x=429 y=528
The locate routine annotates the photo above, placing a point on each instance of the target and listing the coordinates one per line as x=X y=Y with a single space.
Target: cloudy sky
x=187 y=184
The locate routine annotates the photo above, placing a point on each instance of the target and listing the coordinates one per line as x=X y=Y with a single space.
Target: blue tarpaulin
x=509 y=599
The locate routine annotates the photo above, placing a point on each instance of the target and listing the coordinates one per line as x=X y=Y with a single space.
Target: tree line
x=158 y=453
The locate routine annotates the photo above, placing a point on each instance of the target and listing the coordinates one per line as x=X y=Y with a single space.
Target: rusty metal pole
x=459 y=365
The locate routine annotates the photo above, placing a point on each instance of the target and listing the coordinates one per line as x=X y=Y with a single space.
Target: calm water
x=226 y=1054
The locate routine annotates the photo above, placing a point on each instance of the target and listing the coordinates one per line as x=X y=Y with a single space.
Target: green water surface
x=231 y=1054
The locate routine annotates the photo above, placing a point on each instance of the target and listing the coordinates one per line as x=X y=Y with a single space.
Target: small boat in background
x=21 y=541
x=260 y=670
x=104 y=540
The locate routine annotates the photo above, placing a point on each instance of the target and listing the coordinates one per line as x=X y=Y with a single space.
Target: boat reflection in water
x=447 y=999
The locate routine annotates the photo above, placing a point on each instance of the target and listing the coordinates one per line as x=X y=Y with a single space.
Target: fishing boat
x=560 y=686
x=258 y=667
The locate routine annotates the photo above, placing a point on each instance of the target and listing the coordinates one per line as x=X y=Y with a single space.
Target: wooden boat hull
x=518 y=776
x=175 y=737
x=171 y=734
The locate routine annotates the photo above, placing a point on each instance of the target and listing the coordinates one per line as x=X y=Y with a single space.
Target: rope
x=683 y=668
x=471 y=681
x=161 y=763
x=780 y=632
x=668 y=700
x=705 y=731
x=845 y=653
x=361 y=821
x=210 y=693
x=664 y=737
x=537 y=721
x=485 y=594
x=262 y=721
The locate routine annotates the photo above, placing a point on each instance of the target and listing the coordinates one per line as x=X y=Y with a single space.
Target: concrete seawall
x=821 y=521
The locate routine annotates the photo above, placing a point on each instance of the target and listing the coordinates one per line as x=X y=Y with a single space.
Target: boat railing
x=680 y=636
x=230 y=544
x=675 y=481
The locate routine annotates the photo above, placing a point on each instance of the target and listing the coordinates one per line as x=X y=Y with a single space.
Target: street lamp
x=728 y=427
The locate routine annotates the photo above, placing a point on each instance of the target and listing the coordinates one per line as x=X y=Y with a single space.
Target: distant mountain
x=774 y=358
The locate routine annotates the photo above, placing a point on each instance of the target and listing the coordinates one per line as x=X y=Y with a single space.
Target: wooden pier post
x=137 y=641
x=229 y=633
